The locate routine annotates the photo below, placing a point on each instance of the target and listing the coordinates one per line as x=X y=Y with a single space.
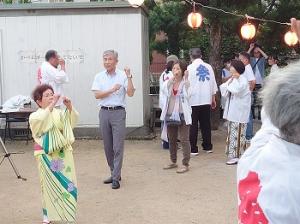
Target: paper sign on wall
x=37 y=57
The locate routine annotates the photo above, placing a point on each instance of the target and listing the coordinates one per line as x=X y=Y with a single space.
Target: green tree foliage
x=171 y=18
x=219 y=37
x=168 y=18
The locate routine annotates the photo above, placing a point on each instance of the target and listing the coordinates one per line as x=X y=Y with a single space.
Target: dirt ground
x=148 y=194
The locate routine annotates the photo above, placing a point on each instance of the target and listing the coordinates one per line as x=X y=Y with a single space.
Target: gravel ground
x=148 y=194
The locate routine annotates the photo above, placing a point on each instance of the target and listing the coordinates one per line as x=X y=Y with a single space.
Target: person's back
x=270 y=179
x=203 y=88
x=238 y=109
x=203 y=83
x=268 y=172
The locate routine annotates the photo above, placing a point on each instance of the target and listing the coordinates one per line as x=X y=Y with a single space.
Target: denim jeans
x=249 y=130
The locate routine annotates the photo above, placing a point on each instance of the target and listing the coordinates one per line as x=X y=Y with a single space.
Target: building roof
x=7 y=9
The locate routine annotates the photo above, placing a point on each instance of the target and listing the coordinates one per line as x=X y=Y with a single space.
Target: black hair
x=169 y=66
x=238 y=66
x=275 y=57
x=195 y=53
x=245 y=54
x=182 y=64
x=50 y=54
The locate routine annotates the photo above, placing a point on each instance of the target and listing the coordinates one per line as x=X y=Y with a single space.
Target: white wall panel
x=86 y=34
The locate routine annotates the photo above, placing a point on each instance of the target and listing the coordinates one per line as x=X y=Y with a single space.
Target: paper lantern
x=290 y=38
x=195 y=20
x=248 y=31
x=136 y=3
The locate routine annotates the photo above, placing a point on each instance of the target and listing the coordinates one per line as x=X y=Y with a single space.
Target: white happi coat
x=203 y=83
x=164 y=77
x=238 y=99
x=268 y=178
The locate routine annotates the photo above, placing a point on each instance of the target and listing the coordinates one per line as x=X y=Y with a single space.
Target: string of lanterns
x=248 y=30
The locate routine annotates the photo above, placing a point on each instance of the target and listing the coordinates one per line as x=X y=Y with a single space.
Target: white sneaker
x=232 y=161
x=208 y=151
x=194 y=153
x=248 y=141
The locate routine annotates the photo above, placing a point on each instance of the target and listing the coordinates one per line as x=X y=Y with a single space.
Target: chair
x=155 y=117
x=17 y=117
x=2 y=117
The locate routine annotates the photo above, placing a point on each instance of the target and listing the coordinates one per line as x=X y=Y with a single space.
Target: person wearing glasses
x=52 y=131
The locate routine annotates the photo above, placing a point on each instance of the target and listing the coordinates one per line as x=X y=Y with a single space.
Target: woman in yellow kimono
x=52 y=131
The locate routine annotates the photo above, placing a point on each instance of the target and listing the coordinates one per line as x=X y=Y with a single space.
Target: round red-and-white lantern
x=136 y=3
x=248 y=31
x=195 y=20
x=290 y=38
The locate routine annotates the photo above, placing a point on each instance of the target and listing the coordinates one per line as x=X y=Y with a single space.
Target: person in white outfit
x=203 y=99
x=176 y=115
x=53 y=73
x=225 y=76
x=272 y=61
x=249 y=74
x=268 y=177
x=237 y=110
x=165 y=77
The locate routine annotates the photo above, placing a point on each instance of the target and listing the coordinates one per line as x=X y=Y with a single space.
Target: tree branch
x=270 y=7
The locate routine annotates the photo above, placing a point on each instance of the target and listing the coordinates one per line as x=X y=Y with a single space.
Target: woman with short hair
x=237 y=109
x=52 y=131
x=176 y=115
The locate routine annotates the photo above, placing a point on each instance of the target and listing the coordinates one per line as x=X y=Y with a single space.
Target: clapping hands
x=116 y=87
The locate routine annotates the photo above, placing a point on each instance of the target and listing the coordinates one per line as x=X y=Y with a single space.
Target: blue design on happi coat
x=203 y=73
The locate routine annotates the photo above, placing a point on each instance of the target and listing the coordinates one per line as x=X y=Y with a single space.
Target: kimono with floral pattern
x=53 y=134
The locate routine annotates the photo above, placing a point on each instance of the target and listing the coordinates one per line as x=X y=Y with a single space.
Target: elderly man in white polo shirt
x=110 y=88
x=203 y=91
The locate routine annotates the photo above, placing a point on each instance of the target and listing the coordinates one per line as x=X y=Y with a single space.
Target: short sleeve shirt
x=249 y=74
x=104 y=82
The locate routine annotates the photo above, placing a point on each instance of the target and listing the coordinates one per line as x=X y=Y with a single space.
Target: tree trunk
x=216 y=63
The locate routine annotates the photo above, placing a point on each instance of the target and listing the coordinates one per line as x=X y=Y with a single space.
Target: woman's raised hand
x=54 y=101
x=67 y=102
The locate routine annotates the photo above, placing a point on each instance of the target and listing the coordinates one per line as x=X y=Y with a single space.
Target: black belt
x=113 y=108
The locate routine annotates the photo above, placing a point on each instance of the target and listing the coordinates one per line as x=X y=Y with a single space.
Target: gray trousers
x=113 y=130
